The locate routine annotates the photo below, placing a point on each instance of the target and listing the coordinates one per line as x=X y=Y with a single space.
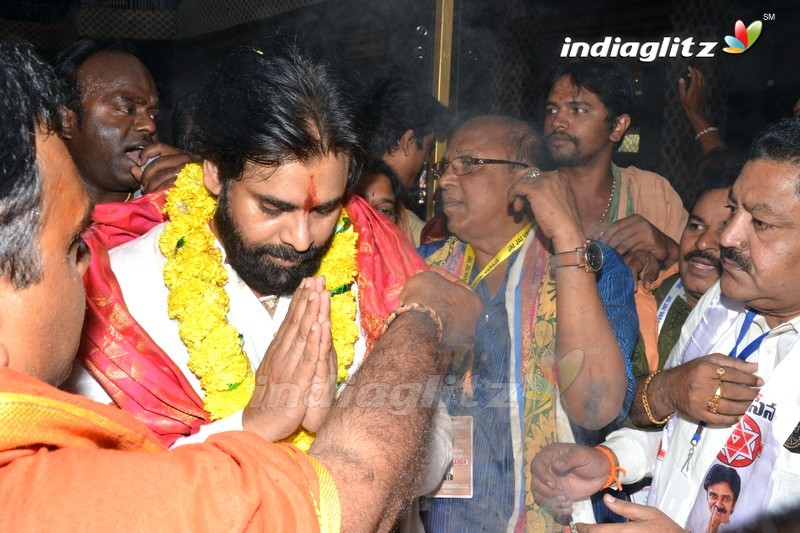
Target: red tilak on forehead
x=311 y=195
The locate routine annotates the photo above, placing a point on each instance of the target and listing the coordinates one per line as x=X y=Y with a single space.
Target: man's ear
x=620 y=127
x=211 y=177
x=69 y=123
x=407 y=141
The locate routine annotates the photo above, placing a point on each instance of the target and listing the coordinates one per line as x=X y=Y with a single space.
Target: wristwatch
x=588 y=257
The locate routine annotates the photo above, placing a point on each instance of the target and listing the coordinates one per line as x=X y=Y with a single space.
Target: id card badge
x=675 y=494
x=457 y=482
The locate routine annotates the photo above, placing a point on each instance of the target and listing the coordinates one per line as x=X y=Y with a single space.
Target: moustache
x=704 y=254
x=736 y=257
x=561 y=135
x=287 y=253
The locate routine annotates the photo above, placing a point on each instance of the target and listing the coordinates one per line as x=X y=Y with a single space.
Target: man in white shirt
x=752 y=315
x=208 y=303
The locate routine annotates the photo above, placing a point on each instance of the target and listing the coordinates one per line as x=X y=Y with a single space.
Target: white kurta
x=139 y=265
x=638 y=451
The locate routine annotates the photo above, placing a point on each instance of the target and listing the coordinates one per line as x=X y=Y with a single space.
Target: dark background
x=500 y=52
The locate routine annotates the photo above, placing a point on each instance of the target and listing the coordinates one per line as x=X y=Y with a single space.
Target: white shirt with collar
x=139 y=267
x=638 y=451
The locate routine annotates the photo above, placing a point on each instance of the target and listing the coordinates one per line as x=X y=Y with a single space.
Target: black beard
x=252 y=263
x=573 y=159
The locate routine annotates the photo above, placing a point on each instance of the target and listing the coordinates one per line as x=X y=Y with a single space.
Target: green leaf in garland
x=341 y=289
x=342 y=225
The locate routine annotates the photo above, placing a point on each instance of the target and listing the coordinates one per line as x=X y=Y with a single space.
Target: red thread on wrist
x=613 y=477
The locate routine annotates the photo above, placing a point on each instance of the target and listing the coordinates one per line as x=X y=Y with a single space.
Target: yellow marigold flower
x=196 y=278
x=301 y=438
x=223 y=405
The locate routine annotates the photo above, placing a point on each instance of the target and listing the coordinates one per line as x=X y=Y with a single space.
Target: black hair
x=67 y=62
x=379 y=167
x=721 y=473
x=779 y=142
x=181 y=119
x=394 y=106
x=609 y=80
x=29 y=100
x=270 y=108
x=718 y=169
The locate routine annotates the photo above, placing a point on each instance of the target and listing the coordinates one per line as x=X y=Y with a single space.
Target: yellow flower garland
x=196 y=280
x=339 y=268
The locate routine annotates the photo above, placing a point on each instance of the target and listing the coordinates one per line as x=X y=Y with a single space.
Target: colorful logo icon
x=742 y=39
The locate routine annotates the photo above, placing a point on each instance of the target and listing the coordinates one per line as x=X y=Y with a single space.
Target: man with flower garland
x=70 y=464
x=181 y=320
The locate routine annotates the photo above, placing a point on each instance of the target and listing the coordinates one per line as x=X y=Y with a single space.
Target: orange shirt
x=70 y=464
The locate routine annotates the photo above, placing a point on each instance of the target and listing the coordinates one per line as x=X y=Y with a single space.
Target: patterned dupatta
x=116 y=350
x=534 y=405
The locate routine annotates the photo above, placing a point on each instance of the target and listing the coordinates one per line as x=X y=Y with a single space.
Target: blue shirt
x=492 y=504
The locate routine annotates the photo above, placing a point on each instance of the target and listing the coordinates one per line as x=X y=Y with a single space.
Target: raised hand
x=162 y=171
x=552 y=201
x=453 y=300
x=562 y=473
x=296 y=360
x=688 y=387
x=693 y=93
x=323 y=386
x=636 y=233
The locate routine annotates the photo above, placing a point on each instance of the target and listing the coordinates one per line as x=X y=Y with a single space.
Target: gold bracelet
x=424 y=309
x=647 y=404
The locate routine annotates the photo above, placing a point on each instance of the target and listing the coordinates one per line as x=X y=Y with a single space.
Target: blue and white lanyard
x=747 y=352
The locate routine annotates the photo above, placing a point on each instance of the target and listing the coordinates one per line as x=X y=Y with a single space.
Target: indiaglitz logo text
x=741 y=41
x=644 y=51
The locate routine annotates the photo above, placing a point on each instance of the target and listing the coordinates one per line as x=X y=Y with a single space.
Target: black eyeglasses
x=465 y=164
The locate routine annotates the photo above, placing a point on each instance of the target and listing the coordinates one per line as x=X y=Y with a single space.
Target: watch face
x=594 y=256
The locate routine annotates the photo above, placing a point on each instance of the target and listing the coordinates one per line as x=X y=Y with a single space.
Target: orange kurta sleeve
x=234 y=482
x=69 y=464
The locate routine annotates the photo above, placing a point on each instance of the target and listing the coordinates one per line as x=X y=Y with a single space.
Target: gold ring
x=721 y=371
x=713 y=402
x=533 y=173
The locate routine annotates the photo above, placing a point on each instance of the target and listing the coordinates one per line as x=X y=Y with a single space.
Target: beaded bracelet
x=613 y=476
x=430 y=313
x=646 y=404
x=703 y=132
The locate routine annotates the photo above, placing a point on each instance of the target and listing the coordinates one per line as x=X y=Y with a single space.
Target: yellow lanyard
x=469 y=257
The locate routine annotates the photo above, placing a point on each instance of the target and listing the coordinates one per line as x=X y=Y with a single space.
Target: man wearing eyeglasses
x=587 y=112
x=521 y=387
